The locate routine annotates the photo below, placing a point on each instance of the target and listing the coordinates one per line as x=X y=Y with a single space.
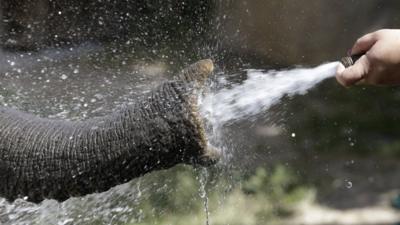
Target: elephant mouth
x=198 y=74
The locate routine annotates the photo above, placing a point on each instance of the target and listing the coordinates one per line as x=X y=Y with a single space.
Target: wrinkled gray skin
x=56 y=159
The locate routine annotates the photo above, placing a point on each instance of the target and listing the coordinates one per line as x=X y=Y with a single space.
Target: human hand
x=380 y=64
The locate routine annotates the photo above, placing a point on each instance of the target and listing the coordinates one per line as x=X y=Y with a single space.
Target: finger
x=355 y=73
x=339 y=72
x=340 y=69
x=364 y=44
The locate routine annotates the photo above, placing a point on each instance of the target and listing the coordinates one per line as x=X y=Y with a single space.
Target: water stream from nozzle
x=260 y=91
x=255 y=95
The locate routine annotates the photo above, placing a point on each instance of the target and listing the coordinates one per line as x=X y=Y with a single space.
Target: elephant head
x=45 y=158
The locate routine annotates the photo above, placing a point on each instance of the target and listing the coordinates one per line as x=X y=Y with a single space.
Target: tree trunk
x=43 y=158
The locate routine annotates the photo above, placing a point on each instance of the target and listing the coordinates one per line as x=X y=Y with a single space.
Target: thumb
x=355 y=73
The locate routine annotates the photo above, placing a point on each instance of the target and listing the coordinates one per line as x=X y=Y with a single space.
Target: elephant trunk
x=43 y=158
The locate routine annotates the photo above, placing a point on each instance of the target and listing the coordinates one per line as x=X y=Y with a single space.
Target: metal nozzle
x=350 y=60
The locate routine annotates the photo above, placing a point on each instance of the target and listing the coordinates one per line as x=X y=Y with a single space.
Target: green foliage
x=280 y=186
x=265 y=196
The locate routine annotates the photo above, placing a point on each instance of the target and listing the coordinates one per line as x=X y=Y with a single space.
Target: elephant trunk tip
x=198 y=72
x=207 y=65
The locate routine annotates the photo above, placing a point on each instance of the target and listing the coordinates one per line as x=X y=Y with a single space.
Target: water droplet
x=63 y=77
x=349 y=184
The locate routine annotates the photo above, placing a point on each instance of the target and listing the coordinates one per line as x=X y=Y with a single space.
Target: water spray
x=262 y=89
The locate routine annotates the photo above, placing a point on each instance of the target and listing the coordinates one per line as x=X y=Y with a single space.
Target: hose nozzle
x=350 y=60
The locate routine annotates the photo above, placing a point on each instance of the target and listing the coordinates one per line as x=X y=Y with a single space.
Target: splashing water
x=259 y=92
x=203 y=193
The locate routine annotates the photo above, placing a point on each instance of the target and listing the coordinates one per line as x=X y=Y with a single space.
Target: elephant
x=43 y=158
